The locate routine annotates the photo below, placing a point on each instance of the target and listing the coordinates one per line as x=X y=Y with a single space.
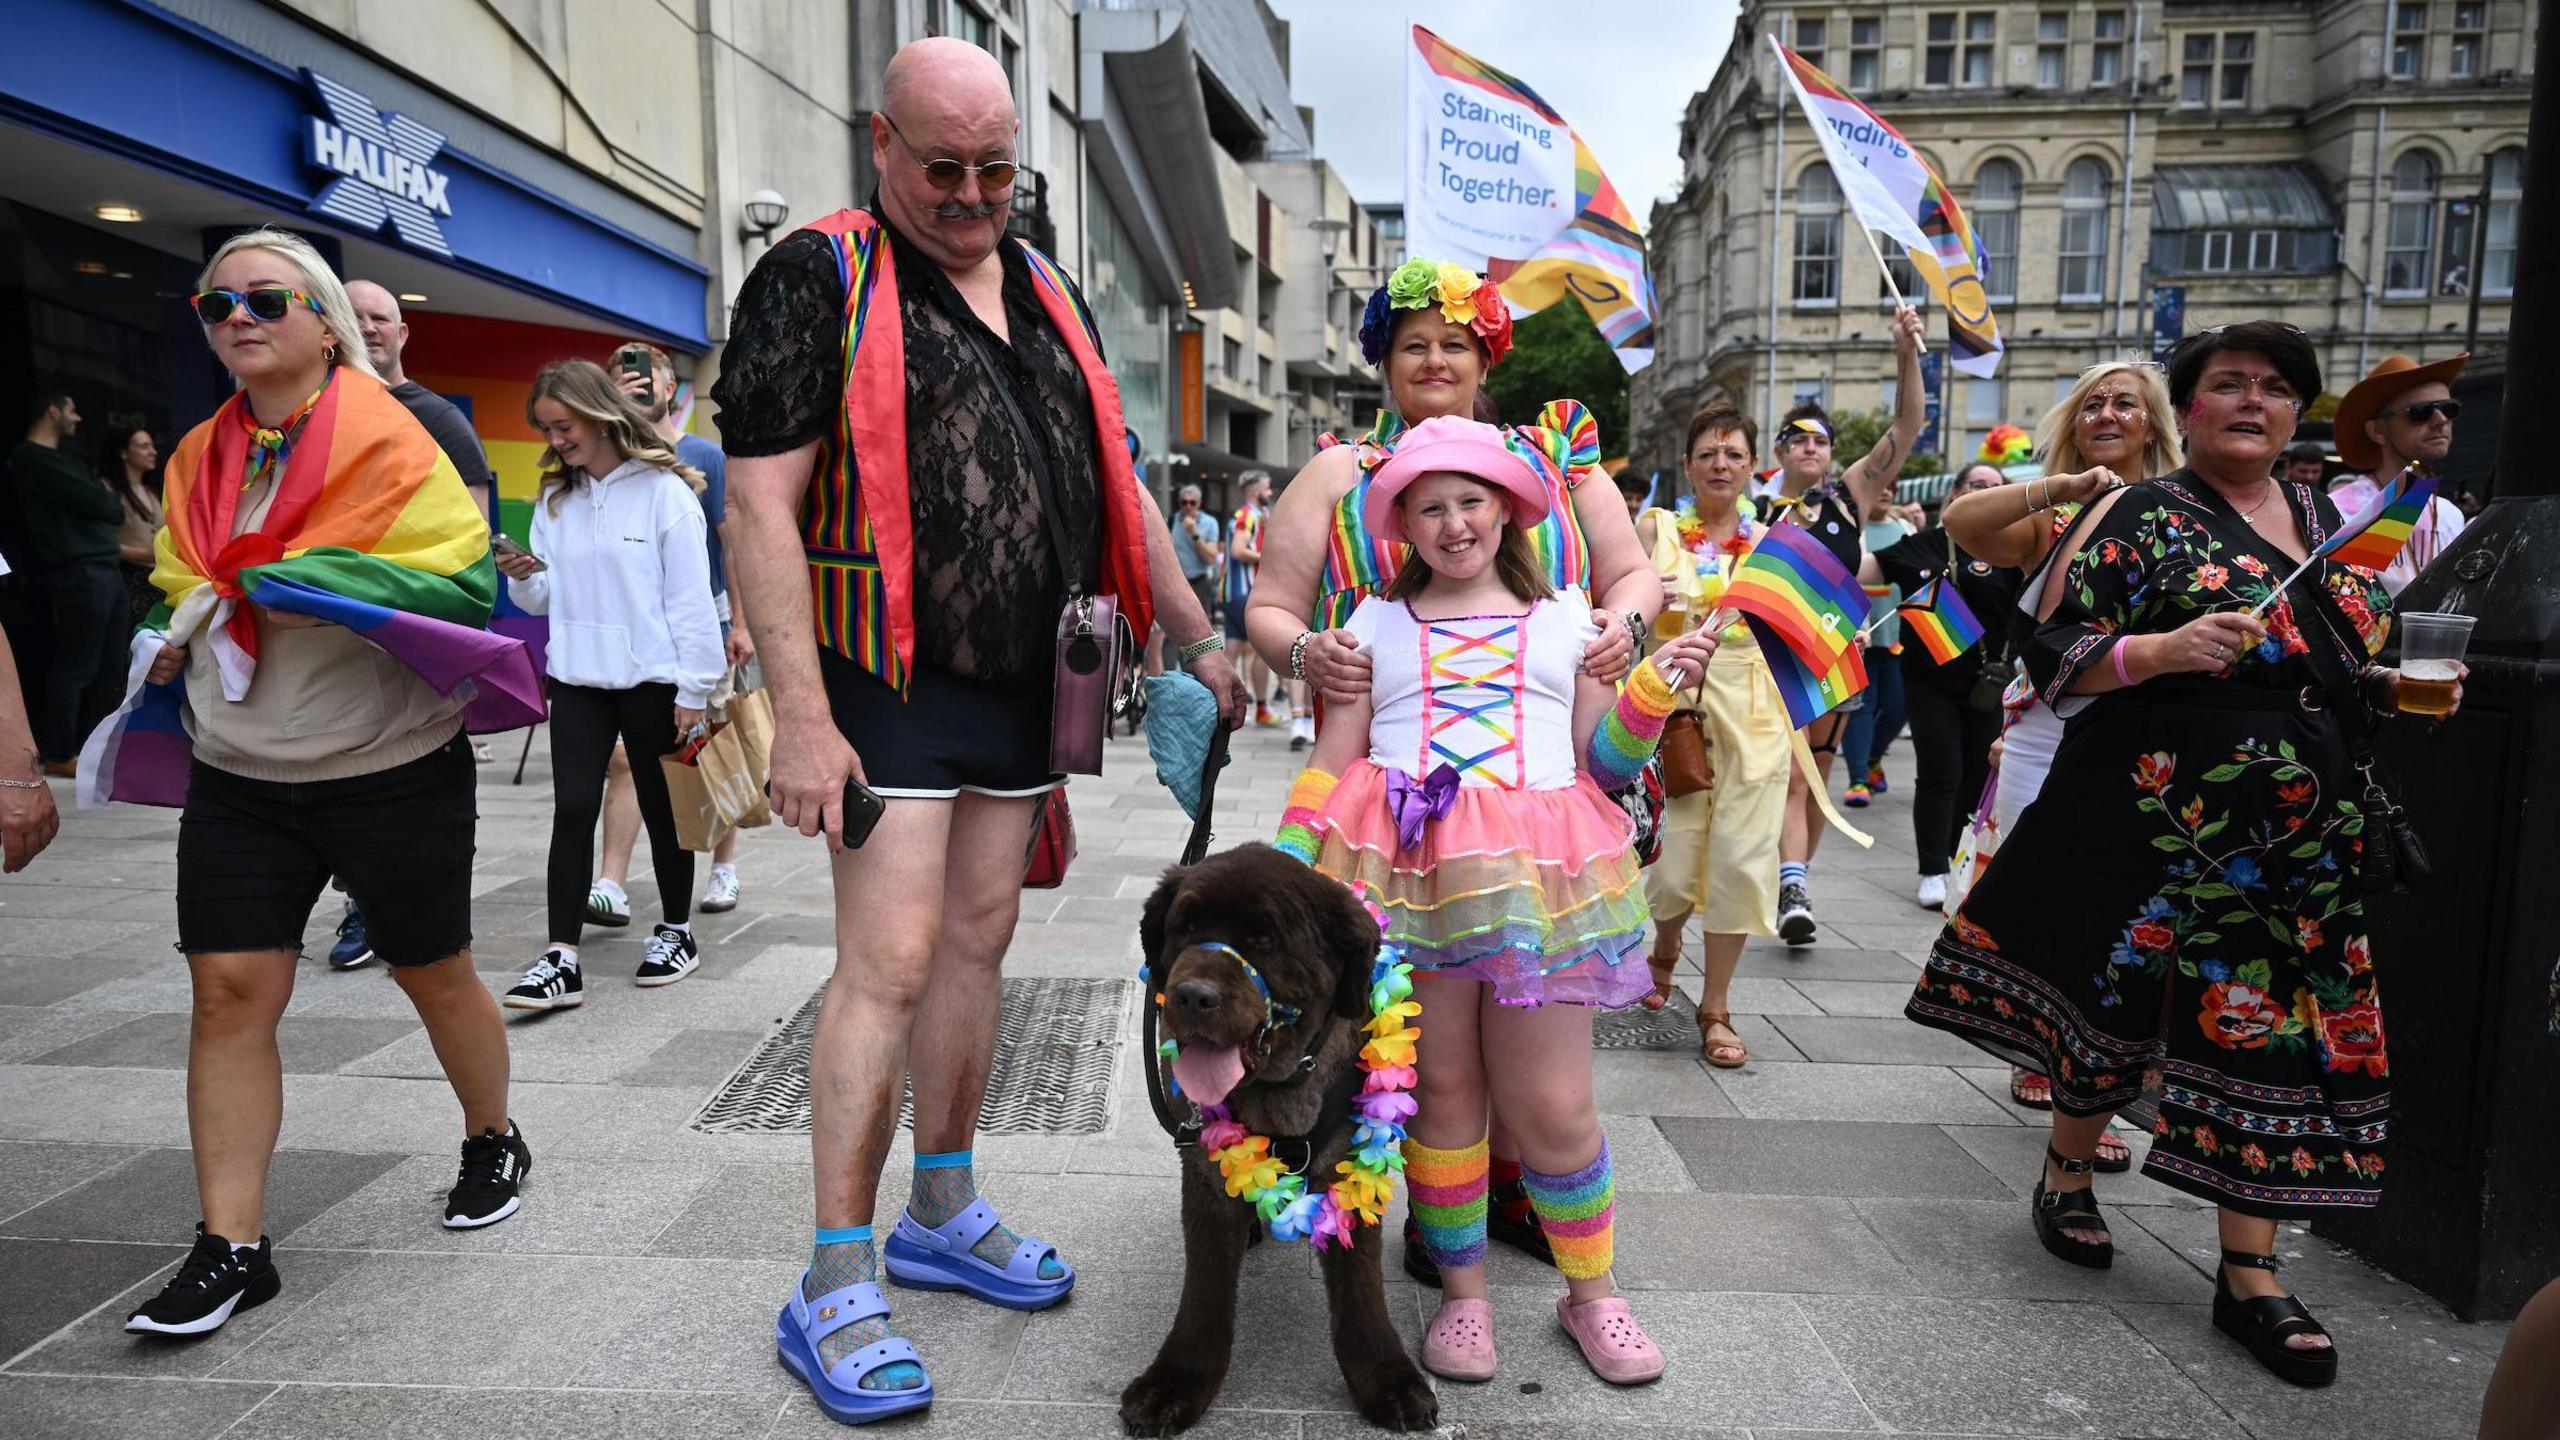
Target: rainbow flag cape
x=1809 y=695
x=1802 y=597
x=2373 y=537
x=1945 y=624
x=1895 y=193
x=370 y=529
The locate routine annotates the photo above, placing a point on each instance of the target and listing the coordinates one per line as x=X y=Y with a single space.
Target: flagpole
x=1777 y=188
x=2319 y=552
x=1890 y=288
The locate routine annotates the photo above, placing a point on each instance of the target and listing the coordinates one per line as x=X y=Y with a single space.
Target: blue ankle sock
x=1793 y=872
x=845 y=1257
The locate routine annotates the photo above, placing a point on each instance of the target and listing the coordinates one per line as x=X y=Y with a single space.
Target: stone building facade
x=2351 y=167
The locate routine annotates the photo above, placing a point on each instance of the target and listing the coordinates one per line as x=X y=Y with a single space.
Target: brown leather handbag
x=1686 y=766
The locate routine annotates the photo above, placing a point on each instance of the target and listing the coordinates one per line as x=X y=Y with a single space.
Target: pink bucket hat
x=1461 y=446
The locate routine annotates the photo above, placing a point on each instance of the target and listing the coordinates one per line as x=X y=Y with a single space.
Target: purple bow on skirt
x=1414 y=803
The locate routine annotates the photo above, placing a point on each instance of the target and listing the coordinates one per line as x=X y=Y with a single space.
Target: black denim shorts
x=946 y=736
x=253 y=856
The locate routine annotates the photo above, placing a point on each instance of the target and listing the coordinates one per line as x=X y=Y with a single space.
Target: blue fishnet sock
x=944 y=1186
x=846 y=1257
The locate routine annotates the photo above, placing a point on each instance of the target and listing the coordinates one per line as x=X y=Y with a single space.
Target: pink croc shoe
x=1613 y=1344
x=1459 y=1344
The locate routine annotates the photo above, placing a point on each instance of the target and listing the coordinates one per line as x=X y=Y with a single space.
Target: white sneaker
x=1933 y=892
x=721 y=893
x=608 y=905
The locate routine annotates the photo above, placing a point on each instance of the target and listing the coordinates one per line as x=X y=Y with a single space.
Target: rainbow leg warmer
x=1627 y=736
x=1302 y=822
x=1448 y=1188
x=1579 y=1212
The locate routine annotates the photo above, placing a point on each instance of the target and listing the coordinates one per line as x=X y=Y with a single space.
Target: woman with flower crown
x=1730 y=830
x=1434 y=330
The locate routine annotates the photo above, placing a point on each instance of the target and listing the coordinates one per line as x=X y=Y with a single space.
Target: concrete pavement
x=1831 y=1241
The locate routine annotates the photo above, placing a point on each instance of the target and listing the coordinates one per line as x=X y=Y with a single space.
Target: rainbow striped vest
x=1358 y=564
x=856 y=523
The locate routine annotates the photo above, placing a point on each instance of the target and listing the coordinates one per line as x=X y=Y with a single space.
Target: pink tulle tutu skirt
x=1534 y=892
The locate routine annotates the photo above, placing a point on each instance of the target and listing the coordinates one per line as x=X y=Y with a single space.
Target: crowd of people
x=2133 y=799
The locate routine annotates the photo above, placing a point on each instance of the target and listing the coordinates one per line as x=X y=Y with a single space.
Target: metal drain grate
x=1673 y=1027
x=1057 y=1057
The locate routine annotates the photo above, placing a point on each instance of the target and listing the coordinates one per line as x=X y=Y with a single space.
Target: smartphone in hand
x=506 y=545
x=863 y=808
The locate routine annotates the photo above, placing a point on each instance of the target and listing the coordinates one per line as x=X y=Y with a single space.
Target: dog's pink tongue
x=1208 y=1072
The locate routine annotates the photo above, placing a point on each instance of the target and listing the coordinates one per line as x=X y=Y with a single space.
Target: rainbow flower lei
x=1464 y=297
x=1368 y=1182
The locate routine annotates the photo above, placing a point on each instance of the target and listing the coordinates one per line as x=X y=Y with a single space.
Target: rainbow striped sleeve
x=1302 y=822
x=1627 y=736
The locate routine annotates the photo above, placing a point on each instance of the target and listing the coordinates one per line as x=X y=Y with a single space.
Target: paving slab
x=32 y=1172
x=1777 y=1244
x=2015 y=1153
x=1816 y=1091
x=98 y=1344
x=59 y=1408
x=693 y=1058
x=1836 y=1158
x=573 y=1205
x=50 y=1283
x=2405 y=1372
x=1873 y=1041
x=151 y=1198
x=1653 y=1082
x=314 y=1412
x=1988 y=1248
x=1870 y=999
x=2010 y=1367
x=1735 y=1361
x=2321 y=1271
x=307 y=1045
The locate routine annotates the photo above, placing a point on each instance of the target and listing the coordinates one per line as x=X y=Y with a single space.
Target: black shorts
x=1235 y=622
x=253 y=856
x=949 y=735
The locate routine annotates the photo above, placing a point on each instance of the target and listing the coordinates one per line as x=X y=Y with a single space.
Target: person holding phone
x=618 y=563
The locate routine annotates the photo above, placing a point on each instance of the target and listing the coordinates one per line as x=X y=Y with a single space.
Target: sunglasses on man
x=944 y=173
x=267 y=304
x=2419 y=413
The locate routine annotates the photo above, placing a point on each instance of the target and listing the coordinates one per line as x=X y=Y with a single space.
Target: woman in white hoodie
x=618 y=563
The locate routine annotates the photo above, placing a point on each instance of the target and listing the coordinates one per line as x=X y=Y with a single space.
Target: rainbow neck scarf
x=370 y=528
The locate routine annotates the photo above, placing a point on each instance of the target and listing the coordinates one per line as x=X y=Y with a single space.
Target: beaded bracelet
x=1202 y=646
x=1298 y=654
x=22 y=785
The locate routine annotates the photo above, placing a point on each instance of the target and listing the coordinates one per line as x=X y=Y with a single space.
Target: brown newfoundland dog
x=1286 y=1067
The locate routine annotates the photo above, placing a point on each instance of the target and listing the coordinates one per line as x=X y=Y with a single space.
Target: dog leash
x=1184 y=1130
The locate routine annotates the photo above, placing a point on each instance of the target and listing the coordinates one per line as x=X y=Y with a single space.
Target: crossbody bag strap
x=1037 y=454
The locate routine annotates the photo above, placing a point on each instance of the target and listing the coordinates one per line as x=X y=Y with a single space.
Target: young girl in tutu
x=1466 y=795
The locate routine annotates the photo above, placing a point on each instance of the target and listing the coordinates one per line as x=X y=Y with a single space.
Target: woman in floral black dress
x=2181 y=904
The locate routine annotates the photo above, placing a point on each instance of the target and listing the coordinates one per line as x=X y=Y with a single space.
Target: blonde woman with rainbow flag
x=318 y=746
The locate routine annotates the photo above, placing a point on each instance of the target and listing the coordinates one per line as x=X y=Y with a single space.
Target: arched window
x=1995 y=226
x=1817 y=238
x=2506 y=192
x=2412 y=224
x=2084 y=231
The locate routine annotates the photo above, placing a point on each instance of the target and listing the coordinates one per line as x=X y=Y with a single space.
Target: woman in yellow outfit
x=1719 y=857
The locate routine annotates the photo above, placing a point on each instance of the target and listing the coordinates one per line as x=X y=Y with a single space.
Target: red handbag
x=1053 y=844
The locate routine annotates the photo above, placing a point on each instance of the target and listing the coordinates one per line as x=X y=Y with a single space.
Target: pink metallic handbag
x=1096 y=678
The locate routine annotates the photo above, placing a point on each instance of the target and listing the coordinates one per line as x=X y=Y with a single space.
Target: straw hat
x=2396 y=374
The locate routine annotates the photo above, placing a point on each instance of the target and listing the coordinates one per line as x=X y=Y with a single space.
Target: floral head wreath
x=1464 y=297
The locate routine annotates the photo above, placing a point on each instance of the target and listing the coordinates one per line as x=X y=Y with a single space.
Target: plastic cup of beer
x=2431 y=649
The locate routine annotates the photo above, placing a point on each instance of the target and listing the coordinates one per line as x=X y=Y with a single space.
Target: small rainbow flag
x=2373 y=537
x=1798 y=588
x=1945 y=624
x=1809 y=695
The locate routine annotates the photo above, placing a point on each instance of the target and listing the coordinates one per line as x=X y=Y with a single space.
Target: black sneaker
x=672 y=956
x=1524 y=1234
x=216 y=1283
x=354 y=949
x=1417 y=1259
x=551 y=983
x=1795 y=915
x=493 y=1167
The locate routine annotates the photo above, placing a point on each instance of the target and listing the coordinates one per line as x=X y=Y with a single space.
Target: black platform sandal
x=2056 y=1211
x=2263 y=1323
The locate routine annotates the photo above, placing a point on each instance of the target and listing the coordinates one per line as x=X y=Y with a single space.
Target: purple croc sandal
x=804 y=1325
x=939 y=1259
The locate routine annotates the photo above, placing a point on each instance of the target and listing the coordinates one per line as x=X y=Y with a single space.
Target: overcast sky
x=1619 y=71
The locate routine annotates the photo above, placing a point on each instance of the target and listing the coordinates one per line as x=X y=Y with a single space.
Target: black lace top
x=987 y=582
